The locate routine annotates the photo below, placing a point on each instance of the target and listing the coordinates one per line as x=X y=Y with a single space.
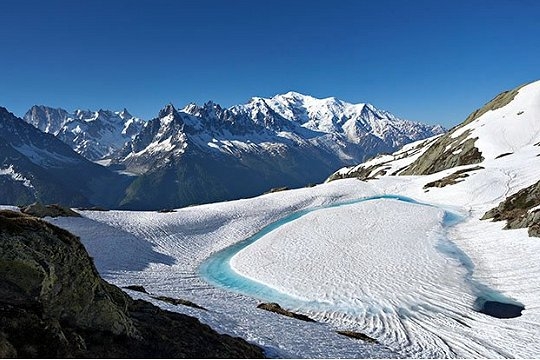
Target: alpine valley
x=197 y=154
x=430 y=251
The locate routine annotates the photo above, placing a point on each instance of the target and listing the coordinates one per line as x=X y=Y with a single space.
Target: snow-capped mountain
x=182 y=158
x=210 y=153
x=35 y=166
x=355 y=121
x=93 y=134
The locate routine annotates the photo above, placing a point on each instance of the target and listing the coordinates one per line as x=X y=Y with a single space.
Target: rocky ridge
x=208 y=153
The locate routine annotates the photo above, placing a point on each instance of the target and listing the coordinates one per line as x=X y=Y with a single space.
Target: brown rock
x=274 y=307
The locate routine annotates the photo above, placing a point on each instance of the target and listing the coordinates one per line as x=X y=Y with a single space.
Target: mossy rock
x=53 y=304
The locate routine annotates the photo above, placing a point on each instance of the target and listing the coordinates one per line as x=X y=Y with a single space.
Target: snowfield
x=415 y=298
x=394 y=270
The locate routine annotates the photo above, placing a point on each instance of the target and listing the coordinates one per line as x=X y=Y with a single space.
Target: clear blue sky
x=431 y=61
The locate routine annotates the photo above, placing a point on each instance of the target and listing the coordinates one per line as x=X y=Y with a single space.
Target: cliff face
x=54 y=304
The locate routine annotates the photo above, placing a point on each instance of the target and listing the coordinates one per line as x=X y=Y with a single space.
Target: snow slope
x=389 y=269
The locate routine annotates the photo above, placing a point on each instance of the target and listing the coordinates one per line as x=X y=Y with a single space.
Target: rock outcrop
x=276 y=308
x=54 y=304
x=521 y=210
x=54 y=210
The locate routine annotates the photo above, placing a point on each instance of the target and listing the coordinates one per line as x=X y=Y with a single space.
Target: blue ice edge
x=217 y=269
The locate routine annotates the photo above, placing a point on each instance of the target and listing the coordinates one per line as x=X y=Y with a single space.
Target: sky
x=429 y=61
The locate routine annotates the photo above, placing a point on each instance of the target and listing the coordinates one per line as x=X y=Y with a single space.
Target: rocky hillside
x=53 y=304
x=521 y=210
x=501 y=139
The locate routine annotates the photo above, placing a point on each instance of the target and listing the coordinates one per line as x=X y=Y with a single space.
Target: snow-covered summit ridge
x=328 y=123
x=331 y=115
x=93 y=134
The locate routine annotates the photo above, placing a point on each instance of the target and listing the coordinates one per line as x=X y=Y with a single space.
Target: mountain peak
x=212 y=105
x=4 y=111
x=293 y=94
x=168 y=110
x=124 y=114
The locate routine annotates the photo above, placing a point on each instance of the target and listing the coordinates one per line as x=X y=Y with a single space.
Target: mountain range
x=207 y=153
x=93 y=134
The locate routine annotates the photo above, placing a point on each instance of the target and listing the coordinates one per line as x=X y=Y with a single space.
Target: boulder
x=274 y=307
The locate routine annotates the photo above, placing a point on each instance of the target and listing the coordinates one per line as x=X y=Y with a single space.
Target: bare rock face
x=54 y=304
x=276 y=308
x=519 y=210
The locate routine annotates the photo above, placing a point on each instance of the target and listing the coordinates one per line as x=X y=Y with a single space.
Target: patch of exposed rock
x=274 y=307
x=137 y=288
x=361 y=173
x=357 y=335
x=446 y=153
x=380 y=165
x=176 y=301
x=519 y=210
x=167 y=299
x=53 y=304
x=54 y=210
x=452 y=179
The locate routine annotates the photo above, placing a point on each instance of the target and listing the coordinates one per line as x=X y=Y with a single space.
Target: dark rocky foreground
x=53 y=304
